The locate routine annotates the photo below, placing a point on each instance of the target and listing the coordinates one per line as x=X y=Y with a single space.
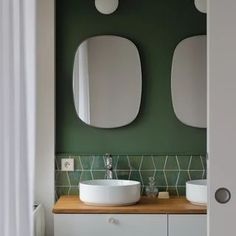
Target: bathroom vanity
x=153 y=217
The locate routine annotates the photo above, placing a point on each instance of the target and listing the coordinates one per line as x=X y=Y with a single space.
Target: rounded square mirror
x=107 y=81
x=189 y=81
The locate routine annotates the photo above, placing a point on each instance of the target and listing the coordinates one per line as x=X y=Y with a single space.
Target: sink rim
x=198 y=182
x=114 y=183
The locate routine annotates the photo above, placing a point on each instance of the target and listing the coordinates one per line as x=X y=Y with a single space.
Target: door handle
x=222 y=195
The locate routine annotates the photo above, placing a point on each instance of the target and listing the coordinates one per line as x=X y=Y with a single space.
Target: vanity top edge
x=71 y=204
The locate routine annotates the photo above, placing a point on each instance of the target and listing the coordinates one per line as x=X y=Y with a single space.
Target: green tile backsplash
x=170 y=172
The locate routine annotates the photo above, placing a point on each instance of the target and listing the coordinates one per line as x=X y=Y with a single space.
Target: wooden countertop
x=174 y=205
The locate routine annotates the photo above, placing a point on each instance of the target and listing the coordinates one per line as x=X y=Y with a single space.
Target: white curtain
x=17 y=116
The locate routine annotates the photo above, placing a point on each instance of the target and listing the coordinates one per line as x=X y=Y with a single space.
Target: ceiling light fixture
x=201 y=5
x=106 y=6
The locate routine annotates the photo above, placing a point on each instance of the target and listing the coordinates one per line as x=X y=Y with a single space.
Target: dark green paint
x=156 y=27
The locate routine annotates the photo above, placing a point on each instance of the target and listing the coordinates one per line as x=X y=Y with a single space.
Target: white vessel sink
x=196 y=191
x=109 y=192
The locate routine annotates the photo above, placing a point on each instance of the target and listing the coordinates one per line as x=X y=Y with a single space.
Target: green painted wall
x=156 y=27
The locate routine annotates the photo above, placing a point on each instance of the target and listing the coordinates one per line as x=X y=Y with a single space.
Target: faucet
x=108 y=166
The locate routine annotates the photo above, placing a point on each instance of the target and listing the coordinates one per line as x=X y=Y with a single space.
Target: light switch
x=67 y=164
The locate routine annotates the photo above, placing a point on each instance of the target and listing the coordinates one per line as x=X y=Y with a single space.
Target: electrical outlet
x=67 y=164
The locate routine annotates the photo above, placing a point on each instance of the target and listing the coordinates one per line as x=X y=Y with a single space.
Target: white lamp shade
x=201 y=5
x=106 y=6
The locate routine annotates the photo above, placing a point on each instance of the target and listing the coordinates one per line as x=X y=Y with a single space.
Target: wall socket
x=67 y=164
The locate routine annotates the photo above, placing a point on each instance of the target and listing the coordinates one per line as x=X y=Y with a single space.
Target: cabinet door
x=107 y=225
x=187 y=225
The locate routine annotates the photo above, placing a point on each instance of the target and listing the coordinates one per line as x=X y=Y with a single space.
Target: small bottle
x=151 y=190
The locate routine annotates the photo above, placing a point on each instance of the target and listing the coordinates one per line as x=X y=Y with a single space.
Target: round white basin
x=196 y=191
x=109 y=192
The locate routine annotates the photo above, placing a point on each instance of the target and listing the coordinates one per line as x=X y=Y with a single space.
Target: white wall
x=44 y=181
x=221 y=113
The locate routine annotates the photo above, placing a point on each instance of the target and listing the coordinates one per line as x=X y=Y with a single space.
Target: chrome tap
x=108 y=166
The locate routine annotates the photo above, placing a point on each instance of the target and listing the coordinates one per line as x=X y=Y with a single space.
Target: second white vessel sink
x=109 y=192
x=196 y=191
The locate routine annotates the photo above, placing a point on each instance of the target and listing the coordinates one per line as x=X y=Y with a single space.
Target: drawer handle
x=112 y=220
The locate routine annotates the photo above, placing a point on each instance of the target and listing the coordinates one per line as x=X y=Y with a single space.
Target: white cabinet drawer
x=110 y=224
x=187 y=225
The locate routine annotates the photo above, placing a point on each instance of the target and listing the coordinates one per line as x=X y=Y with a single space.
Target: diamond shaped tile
x=77 y=163
x=204 y=175
x=74 y=177
x=122 y=163
x=184 y=162
x=147 y=163
x=86 y=175
x=60 y=191
x=58 y=161
x=114 y=161
x=171 y=177
x=181 y=191
x=86 y=162
x=162 y=189
x=171 y=163
x=142 y=190
x=61 y=178
x=135 y=175
x=172 y=191
x=145 y=175
x=98 y=174
x=122 y=174
x=196 y=163
x=160 y=178
x=183 y=178
x=135 y=162
x=98 y=163
x=204 y=162
x=73 y=191
x=159 y=162
x=196 y=174
x=56 y=164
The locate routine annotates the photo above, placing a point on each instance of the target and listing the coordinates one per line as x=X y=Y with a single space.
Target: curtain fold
x=17 y=116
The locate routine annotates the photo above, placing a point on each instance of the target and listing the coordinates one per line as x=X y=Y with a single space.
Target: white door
x=222 y=116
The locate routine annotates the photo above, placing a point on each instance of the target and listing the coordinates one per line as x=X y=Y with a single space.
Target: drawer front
x=107 y=225
x=187 y=225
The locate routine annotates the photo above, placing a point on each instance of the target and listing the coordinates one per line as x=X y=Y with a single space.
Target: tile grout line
x=153 y=163
x=165 y=172
x=67 y=175
x=81 y=163
x=91 y=170
x=141 y=163
x=164 y=167
x=190 y=161
x=177 y=160
x=203 y=167
x=128 y=161
x=140 y=166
